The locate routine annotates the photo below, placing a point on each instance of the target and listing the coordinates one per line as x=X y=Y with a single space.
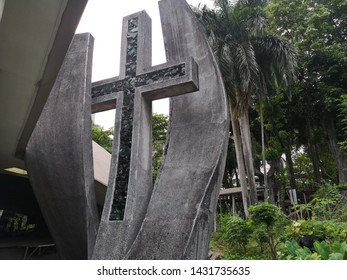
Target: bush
x=328 y=203
x=319 y=230
x=237 y=232
x=264 y=213
x=268 y=223
x=323 y=250
x=269 y=234
x=255 y=238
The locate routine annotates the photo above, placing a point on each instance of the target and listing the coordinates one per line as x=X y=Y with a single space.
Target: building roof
x=34 y=37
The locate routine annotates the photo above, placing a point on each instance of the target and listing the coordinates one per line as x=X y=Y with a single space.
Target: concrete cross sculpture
x=134 y=90
x=172 y=219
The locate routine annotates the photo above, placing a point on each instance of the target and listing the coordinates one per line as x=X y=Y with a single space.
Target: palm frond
x=251 y=61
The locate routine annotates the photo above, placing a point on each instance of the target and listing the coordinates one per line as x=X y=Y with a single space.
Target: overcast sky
x=103 y=19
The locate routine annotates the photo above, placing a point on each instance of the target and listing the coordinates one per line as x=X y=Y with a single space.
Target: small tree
x=104 y=137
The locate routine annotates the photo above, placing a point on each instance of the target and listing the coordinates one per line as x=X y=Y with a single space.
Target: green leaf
x=292 y=246
x=303 y=254
x=336 y=256
x=340 y=248
x=322 y=249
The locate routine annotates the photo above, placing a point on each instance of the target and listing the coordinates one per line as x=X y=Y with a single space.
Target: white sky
x=103 y=19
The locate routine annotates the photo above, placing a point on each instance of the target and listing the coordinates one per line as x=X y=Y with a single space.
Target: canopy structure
x=34 y=38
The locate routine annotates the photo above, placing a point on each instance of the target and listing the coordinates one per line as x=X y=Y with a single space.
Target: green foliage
x=304 y=210
x=303 y=170
x=318 y=29
x=236 y=231
x=256 y=237
x=319 y=230
x=160 y=124
x=104 y=137
x=268 y=223
x=323 y=250
x=342 y=109
x=291 y=250
x=328 y=203
x=268 y=234
x=265 y=213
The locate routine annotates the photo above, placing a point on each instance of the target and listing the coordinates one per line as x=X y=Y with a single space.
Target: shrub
x=268 y=234
x=327 y=203
x=323 y=250
x=265 y=213
x=319 y=230
x=237 y=232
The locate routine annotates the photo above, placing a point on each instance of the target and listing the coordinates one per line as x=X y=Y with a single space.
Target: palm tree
x=252 y=61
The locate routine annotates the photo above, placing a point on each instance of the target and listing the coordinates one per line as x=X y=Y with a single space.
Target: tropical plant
x=291 y=250
x=329 y=231
x=318 y=29
x=251 y=61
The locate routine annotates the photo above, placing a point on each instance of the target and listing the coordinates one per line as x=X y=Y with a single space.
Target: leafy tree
x=318 y=29
x=251 y=61
x=342 y=115
x=104 y=137
x=160 y=124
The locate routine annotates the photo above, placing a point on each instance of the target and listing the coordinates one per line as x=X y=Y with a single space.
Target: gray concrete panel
x=180 y=214
x=59 y=156
x=116 y=236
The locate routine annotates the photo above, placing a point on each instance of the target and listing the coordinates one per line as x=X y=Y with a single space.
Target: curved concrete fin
x=59 y=156
x=180 y=214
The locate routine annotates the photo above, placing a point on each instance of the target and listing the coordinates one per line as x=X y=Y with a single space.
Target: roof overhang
x=34 y=37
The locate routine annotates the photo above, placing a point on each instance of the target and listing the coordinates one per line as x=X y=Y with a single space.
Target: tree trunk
x=290 y=163
x=237 y=179
x=287 y=152
x=313 y=153
x=266 y=187
x=240 y=162
x=248 y=155
x=273 y=183
x=336 y=150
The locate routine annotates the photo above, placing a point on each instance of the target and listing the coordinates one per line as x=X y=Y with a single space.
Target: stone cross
x=132 y=93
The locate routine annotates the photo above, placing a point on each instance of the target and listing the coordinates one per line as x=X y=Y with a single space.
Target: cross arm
x=169 y=79
x=104 y=94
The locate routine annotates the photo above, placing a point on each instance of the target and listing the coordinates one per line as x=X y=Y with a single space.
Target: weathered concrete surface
x=174 y=220
x=59 y=156
x=180 y=214
x=115 y=237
